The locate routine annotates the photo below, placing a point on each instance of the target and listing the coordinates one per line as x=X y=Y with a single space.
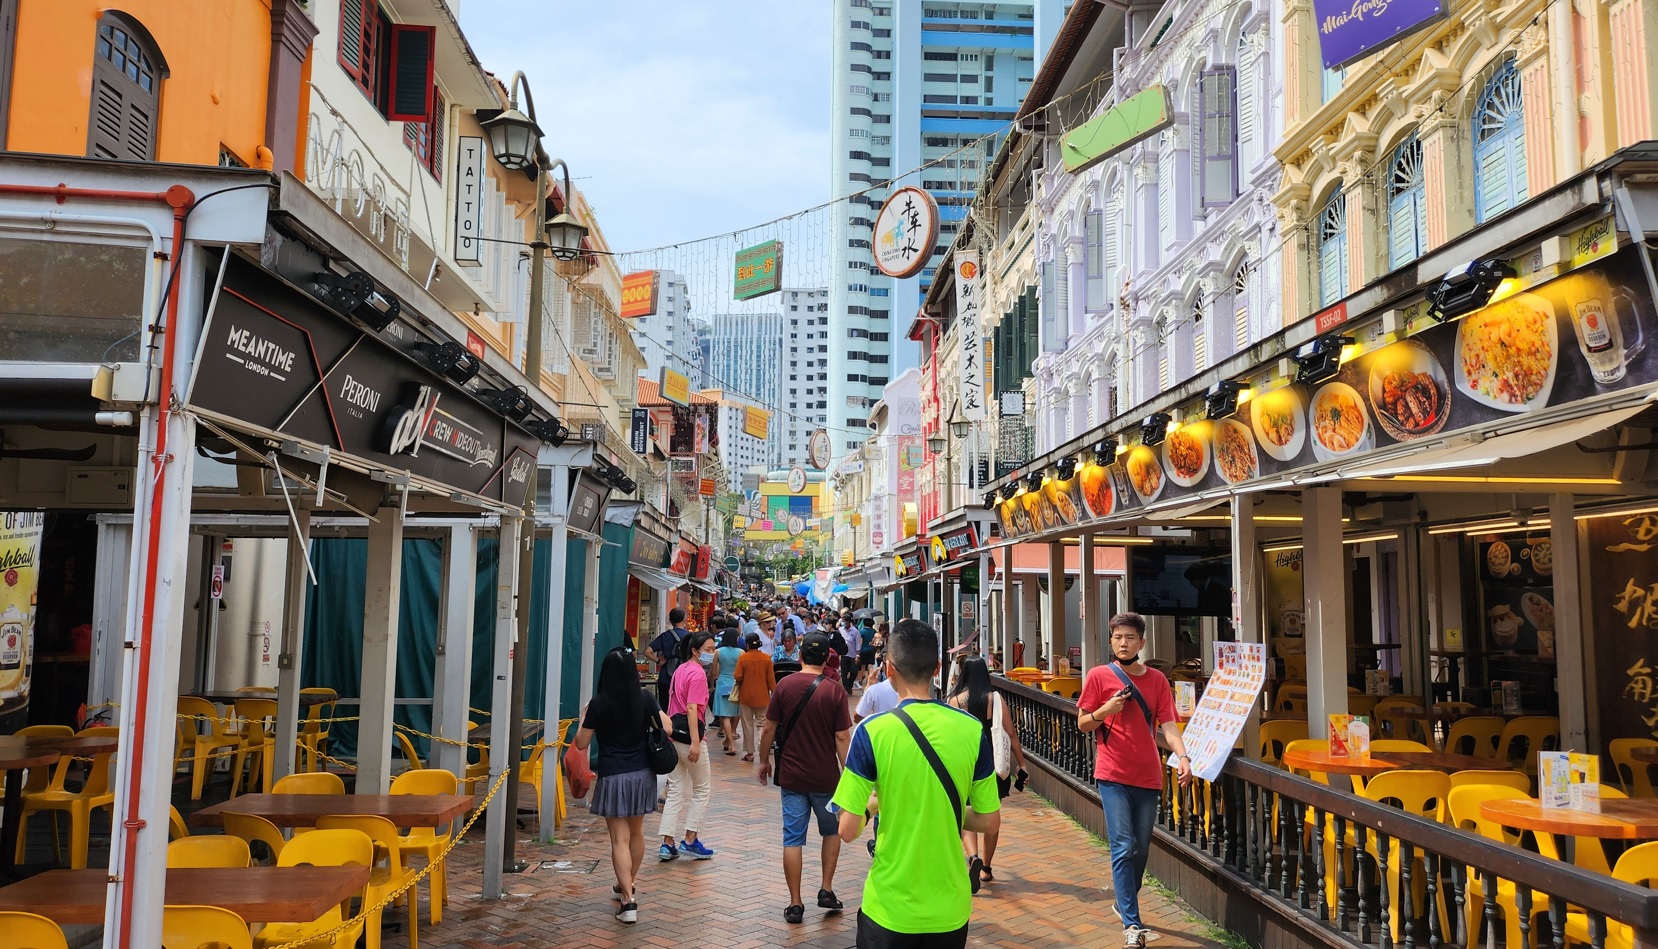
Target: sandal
x=975 y=867
x=748 y=757
x=794 y=914
x=826 y=900
x=988 y=876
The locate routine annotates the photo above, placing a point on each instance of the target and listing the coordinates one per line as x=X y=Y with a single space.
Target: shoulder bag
x=788 y=729
x=659 y=750
x=1001 y=746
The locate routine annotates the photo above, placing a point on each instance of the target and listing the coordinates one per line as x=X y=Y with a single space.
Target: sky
x=679 y=120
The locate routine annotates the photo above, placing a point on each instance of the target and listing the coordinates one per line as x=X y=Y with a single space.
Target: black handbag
x=661 y=753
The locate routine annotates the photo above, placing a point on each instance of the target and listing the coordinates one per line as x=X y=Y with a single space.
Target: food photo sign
x=1227 y=704
x=1574 y=337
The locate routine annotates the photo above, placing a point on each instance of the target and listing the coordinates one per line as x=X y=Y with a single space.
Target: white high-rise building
x=914 y=82
x=802 y=403
x=739 y=451
x=668 y=337
x=745 y=358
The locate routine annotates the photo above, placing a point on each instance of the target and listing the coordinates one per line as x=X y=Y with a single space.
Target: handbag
x=1001 y=746
x=659 y=750
x=783 y=736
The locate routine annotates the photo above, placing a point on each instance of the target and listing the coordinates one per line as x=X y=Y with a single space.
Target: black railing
x=1387 y=877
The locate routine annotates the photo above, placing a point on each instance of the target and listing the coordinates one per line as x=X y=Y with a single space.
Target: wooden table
x=1322 y=761
x=16 y=755
x=306 y=700
x=479 y=734
x=1631 y=819
x=1644 y=753
x=257 y=894
x=302 y=810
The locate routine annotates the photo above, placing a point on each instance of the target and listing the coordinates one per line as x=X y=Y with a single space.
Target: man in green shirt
x=917 y=895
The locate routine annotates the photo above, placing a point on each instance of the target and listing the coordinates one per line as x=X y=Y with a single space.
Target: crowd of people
x=935 y=755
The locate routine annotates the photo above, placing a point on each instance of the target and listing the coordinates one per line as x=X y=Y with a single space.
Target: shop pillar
x=452 y=677
x=1570 y=669
x=589 y=627
x=1091 y=619
x=558 y=545
x=1056 y=604
x=1030 y=617
x=289 y=657
x=1324 y=561
x=381 y=598
x=1010 y=596
x=1246 y=592
x=503 y=745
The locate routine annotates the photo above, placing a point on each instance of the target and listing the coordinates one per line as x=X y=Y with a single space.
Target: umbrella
x=865 y=613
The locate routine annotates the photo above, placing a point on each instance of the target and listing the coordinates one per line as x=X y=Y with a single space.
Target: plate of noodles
x=1235 y=456
x=1339 y=423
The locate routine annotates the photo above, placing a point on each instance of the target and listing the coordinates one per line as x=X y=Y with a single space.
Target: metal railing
x=1355 y=871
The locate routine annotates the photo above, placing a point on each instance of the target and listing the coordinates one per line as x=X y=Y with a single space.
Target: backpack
x=665 y=671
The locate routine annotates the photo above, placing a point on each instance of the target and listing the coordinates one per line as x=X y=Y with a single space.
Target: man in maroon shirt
x=1124 y=702
x=809 y=717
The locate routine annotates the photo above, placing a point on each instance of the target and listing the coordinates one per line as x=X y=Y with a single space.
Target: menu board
x=1623 y=616
x=1227 y=703
x=1567 y=339
x=1516 y=574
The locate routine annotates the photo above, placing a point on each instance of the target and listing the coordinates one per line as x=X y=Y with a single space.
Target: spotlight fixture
x=512 y=402
x=356 y=295
x=1106 y=451
x=1033 y=482
x=989 y=500
x=1154 y=428
x=1067 y=467
x=452 y=360
x=1222 y=399
x=1320 y=359
x=1467 y=288
x=550 y=430
x=626 y=485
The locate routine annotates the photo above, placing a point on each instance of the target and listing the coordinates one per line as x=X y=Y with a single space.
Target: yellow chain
x=314 y=938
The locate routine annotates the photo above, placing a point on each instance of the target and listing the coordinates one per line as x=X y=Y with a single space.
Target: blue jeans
x=1130 y=813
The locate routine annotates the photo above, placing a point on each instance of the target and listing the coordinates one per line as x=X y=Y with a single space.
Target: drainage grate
x=569 y=866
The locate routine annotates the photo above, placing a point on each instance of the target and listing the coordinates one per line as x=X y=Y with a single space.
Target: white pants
x=689 y=787
x=754 y=720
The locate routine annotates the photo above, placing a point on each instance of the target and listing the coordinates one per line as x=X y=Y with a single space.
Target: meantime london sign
x=1353 y=29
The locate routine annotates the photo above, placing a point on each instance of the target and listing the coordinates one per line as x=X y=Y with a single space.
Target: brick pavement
x=1052 y=888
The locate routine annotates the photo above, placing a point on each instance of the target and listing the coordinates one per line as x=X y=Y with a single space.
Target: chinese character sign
x=1623 y=618
x=1228 y=700
x=905 y=231
x=759 y=270
x=972 y=338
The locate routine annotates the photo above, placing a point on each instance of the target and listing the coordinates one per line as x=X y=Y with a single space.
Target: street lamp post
x=515 y=141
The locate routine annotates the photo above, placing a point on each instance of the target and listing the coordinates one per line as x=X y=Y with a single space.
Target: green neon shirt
x=918 y=883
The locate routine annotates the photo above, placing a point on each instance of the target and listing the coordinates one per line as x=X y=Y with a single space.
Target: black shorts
x=872 y=935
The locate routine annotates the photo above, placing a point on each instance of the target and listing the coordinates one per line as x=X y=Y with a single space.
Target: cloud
x=679 y=120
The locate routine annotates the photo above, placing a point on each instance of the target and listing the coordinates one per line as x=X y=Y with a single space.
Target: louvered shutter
x=1220 y=146
x=1248 y=89
x=1165 y=195
x=1240 y=321
x=1200 y=342
x=351 y=37
x=138 y=133
x=1062 y=293
x=1402 y=226
x=125 y=89
x=1493 y=173
x=1332 y=270
x=1111 y=251
x=439 y=125
x=1048 y=309
x=1093 y=244
x=109 y=110
x=410 y=96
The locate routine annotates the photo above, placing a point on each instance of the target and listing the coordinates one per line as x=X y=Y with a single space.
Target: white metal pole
x=502 y=746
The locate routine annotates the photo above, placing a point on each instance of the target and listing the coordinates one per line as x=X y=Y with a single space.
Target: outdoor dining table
x=302 y=810
x=1375 y=764
x=18 y=753
x=1644 y=753
x=257 y=894
x=306 y=699
x=1624 y=819
x=478 y=734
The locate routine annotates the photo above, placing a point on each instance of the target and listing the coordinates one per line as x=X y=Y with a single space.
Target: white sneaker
x=1134 y=938
x=629 y=913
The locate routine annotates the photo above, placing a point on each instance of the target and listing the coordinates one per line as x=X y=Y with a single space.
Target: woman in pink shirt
x=690 y=785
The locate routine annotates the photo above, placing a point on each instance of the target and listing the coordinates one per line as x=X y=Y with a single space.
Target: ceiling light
x=356 y=295
x=1067 y=467
x=1033 y=481
x=1154 y=428
x=1467 y=288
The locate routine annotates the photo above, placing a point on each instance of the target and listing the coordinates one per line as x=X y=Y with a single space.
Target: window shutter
x=1165 y=194
x=1162 y=360
x=1332 y=249
x=1111 y=250
x=351 y=37
x=1062 y=292
x=1048 y=308
x=125 y=92
x=1094 y=244
x=412 y=49
x=138 y=138
x=440 y=123
x=1200 y=337
x=109 y=111
x=1220 y=137
x=1248 y=89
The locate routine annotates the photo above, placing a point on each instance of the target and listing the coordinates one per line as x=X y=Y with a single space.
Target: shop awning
x=656 y=578
x=704 y=586
x=1472 y=453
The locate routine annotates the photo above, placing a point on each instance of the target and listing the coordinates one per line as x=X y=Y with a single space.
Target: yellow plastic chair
x=220 y=733
x=1066 y=687
x=1463 y=803
x=529 y=770
x=1524 y=737
x=1632 y=774
x=1508 y=779
x=427 y=842
x=257 y=745
x=203 y=927
x=311 y=782
x=1422 y=793
x=388 y=876
x=1394 y=726
x=1276 y=736
x=94 y=793
x=1638 y=866
x=28 y=931
x=477 y=771
x=1382 y=746
x=409 y=753
x=252 y=829
x=1291 y=697
x=325 y=848
x=1475 y=735
x=314 y=729
x=209 y=851
x=177 y=829
x=39 y=779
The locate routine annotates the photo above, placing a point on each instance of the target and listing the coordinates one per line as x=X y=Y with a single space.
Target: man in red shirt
x=1124 y=702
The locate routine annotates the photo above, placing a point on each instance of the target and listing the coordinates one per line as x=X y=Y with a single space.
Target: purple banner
x=1354 y=29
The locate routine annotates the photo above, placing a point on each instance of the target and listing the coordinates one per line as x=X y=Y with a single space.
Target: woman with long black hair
x=624 y=790
x=975 y=695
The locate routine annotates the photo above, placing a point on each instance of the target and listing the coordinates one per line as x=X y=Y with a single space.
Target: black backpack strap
x=932 y=759
x=788 y=728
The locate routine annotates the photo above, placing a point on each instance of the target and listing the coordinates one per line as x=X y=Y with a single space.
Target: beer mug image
x=1604 y=316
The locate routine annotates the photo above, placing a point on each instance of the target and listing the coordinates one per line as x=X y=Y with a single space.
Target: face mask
x=706 y=658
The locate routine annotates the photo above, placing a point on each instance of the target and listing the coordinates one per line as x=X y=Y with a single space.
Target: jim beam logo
x=419 y=423
x=258 y=355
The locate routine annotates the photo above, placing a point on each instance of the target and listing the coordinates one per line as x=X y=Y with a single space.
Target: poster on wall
x=1516 y=574
x=1622 y=554
x=1227 y=703
x=19 y=579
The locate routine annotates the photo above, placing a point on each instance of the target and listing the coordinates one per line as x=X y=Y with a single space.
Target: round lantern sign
x=905 y=232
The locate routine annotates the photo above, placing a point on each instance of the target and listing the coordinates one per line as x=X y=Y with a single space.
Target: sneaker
x=1134 y=938
x=629 y=913
x=666 y=852
x=694 y=848
x=794 y=914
